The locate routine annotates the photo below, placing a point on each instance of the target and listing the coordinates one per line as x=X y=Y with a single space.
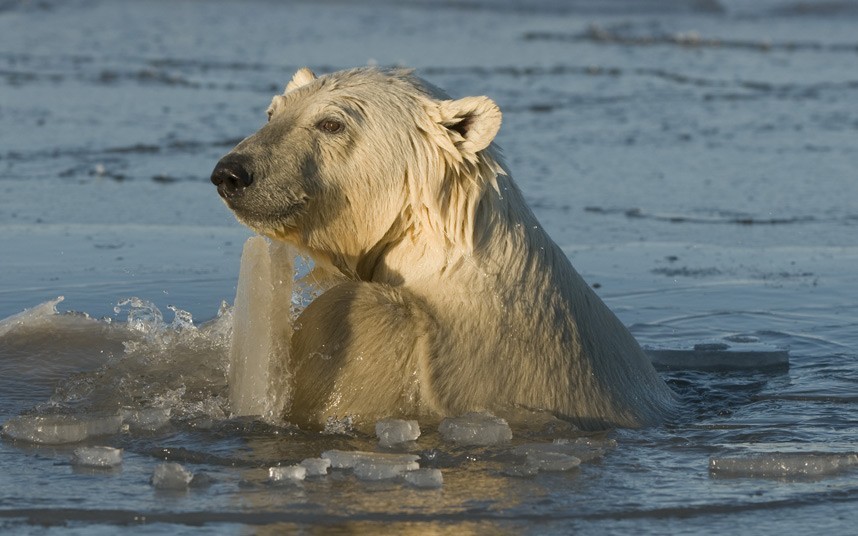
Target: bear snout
x=231 y=177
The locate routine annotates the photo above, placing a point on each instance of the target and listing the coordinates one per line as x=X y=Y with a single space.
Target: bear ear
x=473 y=122
x=303 y=77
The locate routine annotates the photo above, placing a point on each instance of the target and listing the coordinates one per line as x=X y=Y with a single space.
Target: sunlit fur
x=442 y=293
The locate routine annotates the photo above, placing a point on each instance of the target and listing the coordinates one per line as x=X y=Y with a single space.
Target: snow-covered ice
x=425 y=478
x=783 y=464
x=394 y=431
x=316 y=466
x=58 y=429
x=289 y=473
x=97 y=457
x=171 y=475
x=477 y=429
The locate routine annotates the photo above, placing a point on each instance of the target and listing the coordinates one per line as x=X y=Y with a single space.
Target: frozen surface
x=475 y=429
x=394 y=431
x=784 y=464
x=695 y=160
x=262 y=328
x=290 y=473
x=171 y=476
x=97 y=456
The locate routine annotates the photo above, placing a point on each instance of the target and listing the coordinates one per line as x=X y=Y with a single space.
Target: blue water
x=696 y=161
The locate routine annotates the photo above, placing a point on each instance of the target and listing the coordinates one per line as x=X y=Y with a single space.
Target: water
x=695 y=160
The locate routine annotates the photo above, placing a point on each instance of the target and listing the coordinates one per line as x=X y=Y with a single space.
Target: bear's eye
x=331 y=126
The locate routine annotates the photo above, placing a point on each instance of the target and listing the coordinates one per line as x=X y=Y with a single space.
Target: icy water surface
x=696 y=160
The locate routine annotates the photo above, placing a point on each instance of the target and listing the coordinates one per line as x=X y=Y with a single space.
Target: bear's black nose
x=231 y=178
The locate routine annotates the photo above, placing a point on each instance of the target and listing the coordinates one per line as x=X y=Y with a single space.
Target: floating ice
x=171 y=475
x=783 y=465
x=97 y=457
x=719 y=355
x=394 y=431
x=316 y=466
x=478 y=429
x=262 y=327
x=291 y=473
x=146 y=419
x=344 y=459
x=58 y=429
x=425 y=478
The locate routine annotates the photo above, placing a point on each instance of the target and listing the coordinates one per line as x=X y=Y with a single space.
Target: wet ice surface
x=695 y=161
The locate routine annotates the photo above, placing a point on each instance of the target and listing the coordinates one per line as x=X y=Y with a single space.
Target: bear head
x=356 y=160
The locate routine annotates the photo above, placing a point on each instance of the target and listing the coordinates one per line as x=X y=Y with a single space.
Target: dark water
x=696 y=160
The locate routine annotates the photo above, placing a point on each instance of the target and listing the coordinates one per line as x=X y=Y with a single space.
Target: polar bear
x=441 y=293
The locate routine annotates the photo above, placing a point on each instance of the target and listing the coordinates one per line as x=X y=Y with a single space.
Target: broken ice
x=783 y=465
x=58 y=429
x=394 y=431
x=291 y=473
x=171 y=475
x=425 y=478
x=477 y=429
x=97 y=457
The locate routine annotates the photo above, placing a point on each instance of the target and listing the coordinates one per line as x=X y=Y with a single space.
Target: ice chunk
x=381 y=469
x=783 y=464
x=147 y=419
x=97 y=457
x=425 y=478
x=479 y=429
x=262 y=328
x=718 y=355
x=343 y=459
x=394 y=431
x=171 y=475
x=316 y=466
x=58 y=429
x=291 y=473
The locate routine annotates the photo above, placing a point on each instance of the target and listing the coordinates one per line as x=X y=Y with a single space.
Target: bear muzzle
x=231 y=178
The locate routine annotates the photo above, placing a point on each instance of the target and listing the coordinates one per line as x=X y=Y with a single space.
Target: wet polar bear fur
x=442 y=294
